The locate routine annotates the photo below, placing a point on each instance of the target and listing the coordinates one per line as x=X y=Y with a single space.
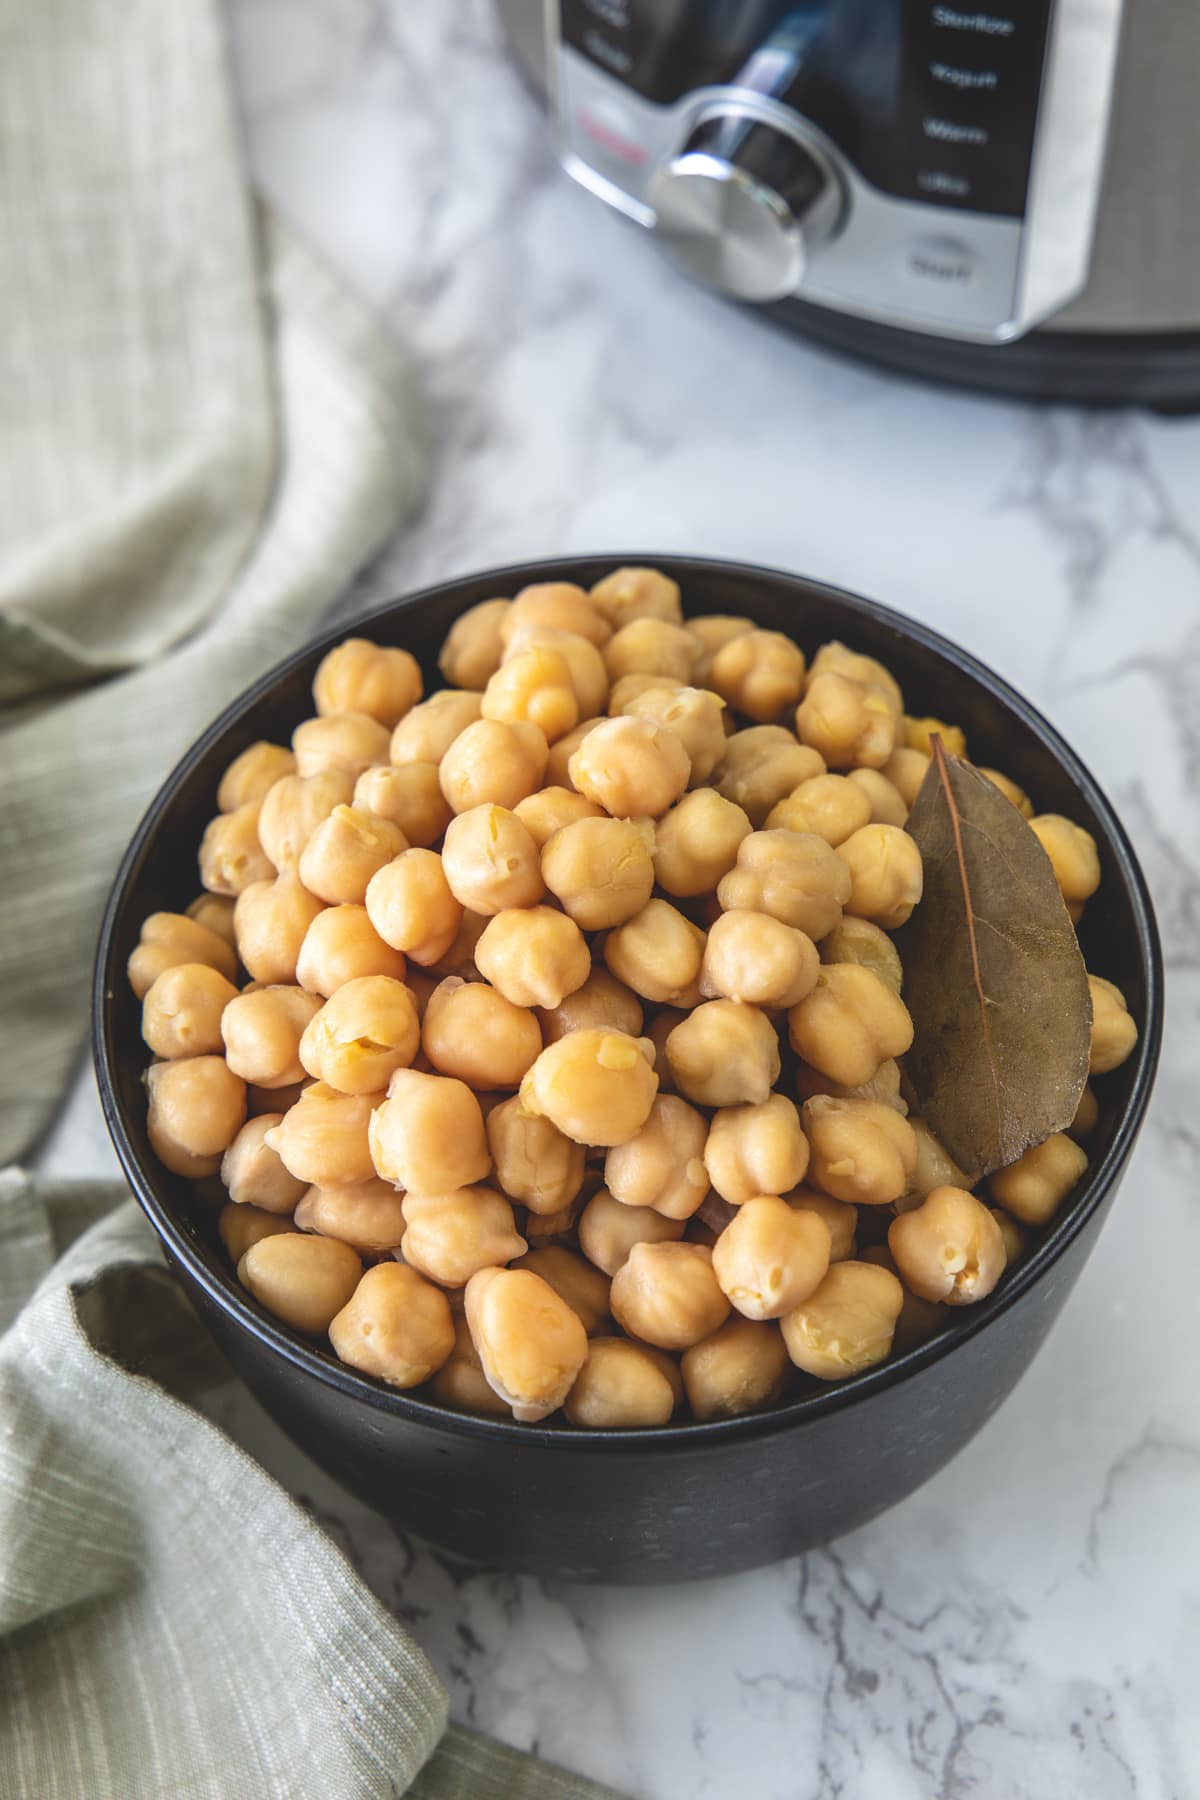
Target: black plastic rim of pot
x=219 y=1283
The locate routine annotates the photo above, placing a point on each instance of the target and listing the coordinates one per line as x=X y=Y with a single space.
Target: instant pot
x=1002 y=195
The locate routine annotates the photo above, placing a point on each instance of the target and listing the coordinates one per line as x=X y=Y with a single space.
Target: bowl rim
x=219 y=1285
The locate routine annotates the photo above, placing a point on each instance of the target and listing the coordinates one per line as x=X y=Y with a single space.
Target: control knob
x=740 y=205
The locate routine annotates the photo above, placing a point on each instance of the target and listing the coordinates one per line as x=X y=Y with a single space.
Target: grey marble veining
x=1028 y=1625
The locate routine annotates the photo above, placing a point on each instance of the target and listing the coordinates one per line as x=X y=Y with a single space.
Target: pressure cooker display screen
x=931 y=102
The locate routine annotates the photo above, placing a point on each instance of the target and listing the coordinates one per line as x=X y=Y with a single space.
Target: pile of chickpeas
x=545 y=1033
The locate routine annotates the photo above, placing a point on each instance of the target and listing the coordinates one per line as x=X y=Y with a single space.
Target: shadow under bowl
x=689 y=1500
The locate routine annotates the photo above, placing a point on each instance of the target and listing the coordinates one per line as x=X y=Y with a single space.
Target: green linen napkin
x=171 y=1623
x=202 y=439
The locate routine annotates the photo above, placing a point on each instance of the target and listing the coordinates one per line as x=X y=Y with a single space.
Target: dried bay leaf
x=993 y=976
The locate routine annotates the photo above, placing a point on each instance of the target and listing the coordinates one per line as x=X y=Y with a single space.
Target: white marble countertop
x=1027 y=1625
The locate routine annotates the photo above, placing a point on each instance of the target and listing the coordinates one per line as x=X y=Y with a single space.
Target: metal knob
x=741 y=204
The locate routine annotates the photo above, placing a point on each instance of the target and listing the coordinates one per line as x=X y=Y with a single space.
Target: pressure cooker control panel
x=930 y=165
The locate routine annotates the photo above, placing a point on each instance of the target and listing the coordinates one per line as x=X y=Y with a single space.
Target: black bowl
x=685 y=1500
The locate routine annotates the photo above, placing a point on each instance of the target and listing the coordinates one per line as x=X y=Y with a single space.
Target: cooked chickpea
x=794 y=876
x=608 y=1230
x=181 y=1014
x=561 y=605
x=724 y=1054
x=1073 y=857
x=546 y=812
x=934 y=1168
x=474 y=645
x=344 y=851
x=231 y=854
x=1114 y=1032
x=650 y=647
x=758 y=1149
x=949 y=1248
x=884 y=1085
x=906 y=770
x=367 y=1215
x=832 y=806
x=886 y=875
x=762 y=766
x=848 y=1324
x=558 y=762
x=459 y=959
x=450 y=1237
x=758 y=673
x=530 y=1343
x=637 y=593
x=395 y=1326
x=860 y=941
x=536 y=1164
x=839 y=1218
x=262 y=1032
x=1035 y=1186
x=305 y=1281
x=322 y=1139
x=740 y=1368
x=1008 y=788
x=585 y=664
x=271 y=920
x=838 y=659
x=662 y=1165
x=461 y=1383
x=601 y=870
x=918 y=734
x=849 y=724
x=668 y=1295
x=696 y=842
x=261 y=1100
x=1014 y=1235
x=471 y=1031
x=630 y=767
x=887 y=804
x=494 y=762
x=366 y=1030
x=240 y=1226
x=340 y=944
x=249 y=776
x=619 y=1387
x=583 y=1287
x=753 y=957
x=601 y=1001
x=197 y=1105
x=552 y=1228
x=426 y=733
x=409 y=797
x=712 y=631
x=629 y=688
x=215 y=912
x=849 y=1024
x=252 y=1172
x=658 y=1030
x=657 y=953
x=534 y=685
x=694 y=716
x=294 y=808
x=428 y=1135
x=1087 y=1114
x=771 y=1257
x=490 y=860
x=596 y=1086
x=863 y=1151
x=410 y=904
x=535 y=956
x=343 y=743
x=357 y=676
